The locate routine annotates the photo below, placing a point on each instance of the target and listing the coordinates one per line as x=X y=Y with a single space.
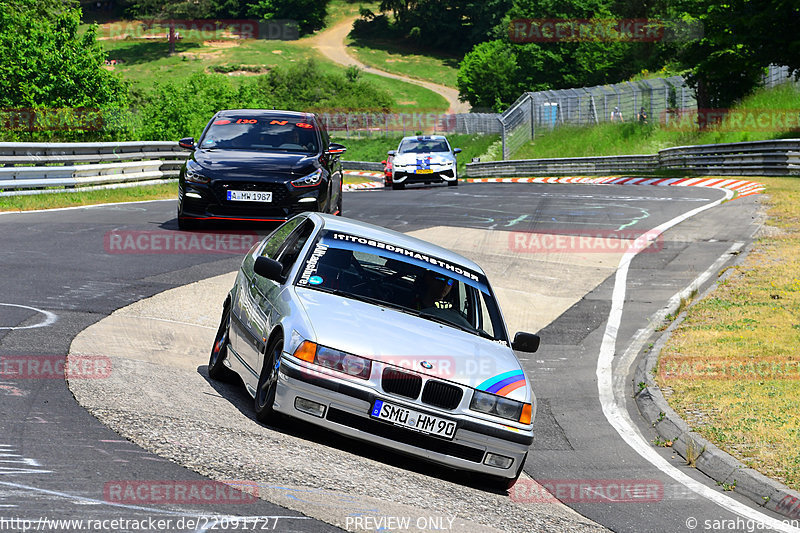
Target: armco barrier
x=755 y=158
x=32 y=168
x=28 y=166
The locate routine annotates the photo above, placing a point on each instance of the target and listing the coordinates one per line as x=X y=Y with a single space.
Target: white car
x=424 y=159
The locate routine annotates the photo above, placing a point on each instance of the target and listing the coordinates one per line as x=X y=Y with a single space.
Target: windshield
x=423 y=146
x=261 y=134
x=411 y=282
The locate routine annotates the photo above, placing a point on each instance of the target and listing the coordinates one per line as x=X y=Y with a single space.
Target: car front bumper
x=440 y=175
x=347 y=407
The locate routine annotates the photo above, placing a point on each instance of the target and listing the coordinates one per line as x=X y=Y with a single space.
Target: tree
x=309 y=14
x=45 y=63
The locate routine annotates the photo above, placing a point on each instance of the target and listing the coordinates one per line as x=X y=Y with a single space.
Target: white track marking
x=613 y=406
x=49 y=318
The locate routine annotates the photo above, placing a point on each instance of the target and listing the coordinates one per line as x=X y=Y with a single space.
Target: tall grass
x=632 y=138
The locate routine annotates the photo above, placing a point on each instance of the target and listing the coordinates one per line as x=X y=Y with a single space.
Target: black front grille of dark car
x=280 y=194
x=440 y=394
x=401 y=383
x=410 y=437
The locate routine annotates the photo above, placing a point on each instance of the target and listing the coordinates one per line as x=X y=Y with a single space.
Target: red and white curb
x=740 y=187
x=361 y=186
x=367 y=173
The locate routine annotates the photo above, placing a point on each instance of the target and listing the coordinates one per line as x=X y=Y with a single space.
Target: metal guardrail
x=41 y=168
x=754 y=158
x=34 y=168
x=762 y=158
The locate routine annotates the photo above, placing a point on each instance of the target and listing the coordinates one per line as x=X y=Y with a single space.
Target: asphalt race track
x=62 y=273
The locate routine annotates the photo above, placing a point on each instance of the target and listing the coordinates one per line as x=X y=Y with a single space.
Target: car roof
x=265 y=112
x=425 y=137
x=371 y=231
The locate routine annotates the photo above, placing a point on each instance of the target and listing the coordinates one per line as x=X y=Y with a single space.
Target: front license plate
x=249 y=196
x=424 y=171
x=408 y=418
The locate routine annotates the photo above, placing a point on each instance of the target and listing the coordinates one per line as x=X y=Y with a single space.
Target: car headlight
x=350 y=364
x=309 y=181
x=492 y=404
x=195 y=177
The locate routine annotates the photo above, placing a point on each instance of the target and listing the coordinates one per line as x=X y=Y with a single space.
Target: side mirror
x=336 y=148
x=391 y=152
x=456 y=150
x=383 y=162
x=266 y=267
x=187 y=142
x=525 y=342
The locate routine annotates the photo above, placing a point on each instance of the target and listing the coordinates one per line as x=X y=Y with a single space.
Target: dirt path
x=330 y=43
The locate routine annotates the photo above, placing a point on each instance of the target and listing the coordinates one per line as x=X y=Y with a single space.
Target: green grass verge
x=731 y=368
x=78 y=198
x=397 y=58
x=631 y=138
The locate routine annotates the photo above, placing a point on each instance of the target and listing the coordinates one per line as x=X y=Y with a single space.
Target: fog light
x=306 y=200
x=500 y=461
x=193 y=195
x=307 y=406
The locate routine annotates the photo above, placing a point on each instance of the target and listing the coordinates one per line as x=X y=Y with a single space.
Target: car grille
x=412 y=438
x=440 y=394
x=401 y=383
x=280 y=195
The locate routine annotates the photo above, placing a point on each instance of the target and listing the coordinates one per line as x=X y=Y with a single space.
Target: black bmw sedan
x=261 y=166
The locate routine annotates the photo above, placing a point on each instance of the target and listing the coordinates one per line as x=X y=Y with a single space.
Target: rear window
x=261 y=133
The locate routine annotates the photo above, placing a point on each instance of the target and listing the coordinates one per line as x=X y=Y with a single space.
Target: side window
x=274 y=243
x=288 y=255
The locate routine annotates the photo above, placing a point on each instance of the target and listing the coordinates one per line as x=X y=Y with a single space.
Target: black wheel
x=339 y=204
x=453 y=183
x=219 y=352
x=398 y=186
x=268 y=382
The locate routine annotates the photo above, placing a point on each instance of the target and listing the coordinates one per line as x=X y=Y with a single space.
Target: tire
x=339 y=204
x=453 y=183
x=268 y=383
x=398 y=186
x=219 y=351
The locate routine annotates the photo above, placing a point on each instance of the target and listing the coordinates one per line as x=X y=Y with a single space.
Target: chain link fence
x=545 y=110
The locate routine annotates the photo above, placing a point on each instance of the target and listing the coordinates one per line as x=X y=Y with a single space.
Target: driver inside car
x=433 y=298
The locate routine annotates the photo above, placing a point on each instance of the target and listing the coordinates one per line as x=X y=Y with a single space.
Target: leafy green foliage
x=174 y=109
x=46 y=66
x=309 y=14
x=442 y=25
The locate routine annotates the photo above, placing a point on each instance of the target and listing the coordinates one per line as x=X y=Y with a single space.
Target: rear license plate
x=408 y=418
x=249 y=196
x=424 y=171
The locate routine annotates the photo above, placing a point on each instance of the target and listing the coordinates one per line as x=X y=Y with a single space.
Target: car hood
x=400 y=339
x=242 y=163
x=437 y=158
